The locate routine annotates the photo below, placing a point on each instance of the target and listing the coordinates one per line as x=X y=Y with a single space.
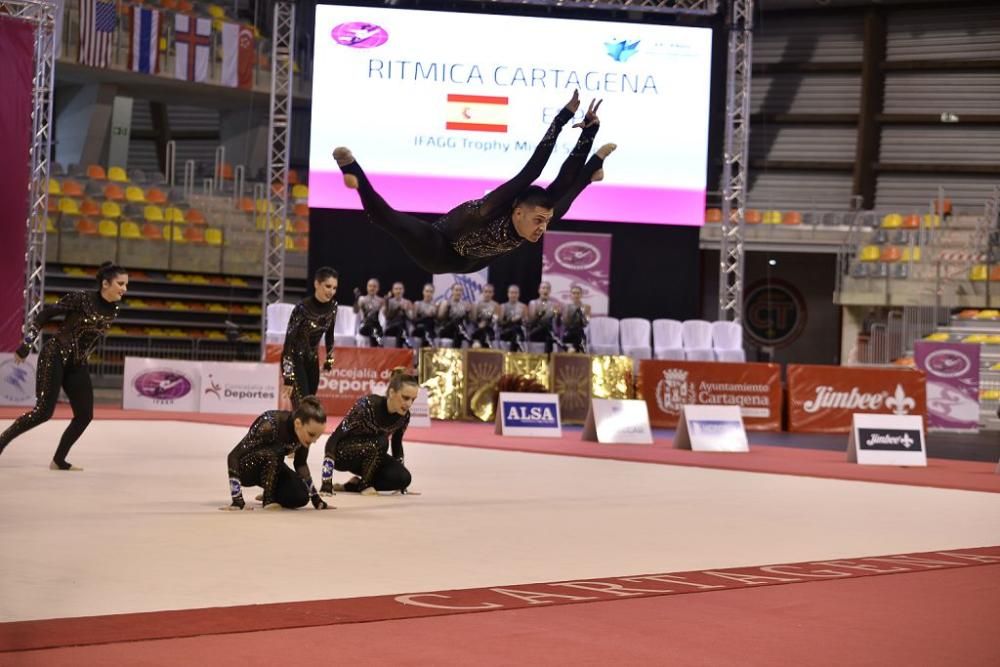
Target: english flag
x=477 y=113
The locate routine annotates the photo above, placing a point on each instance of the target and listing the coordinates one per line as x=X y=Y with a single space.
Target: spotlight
x=772 y=262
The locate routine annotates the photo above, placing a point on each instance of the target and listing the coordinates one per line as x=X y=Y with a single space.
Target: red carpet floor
x=932 y=617
x=940 y=473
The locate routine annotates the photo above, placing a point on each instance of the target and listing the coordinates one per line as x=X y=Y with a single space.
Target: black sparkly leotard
x=63 y=363
x=361 y=444
x=468 y=237
x=258 y=460
x=311 y=321
x=424 y=322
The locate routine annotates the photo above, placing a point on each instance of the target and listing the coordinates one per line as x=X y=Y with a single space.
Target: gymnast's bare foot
x=344 y=157
x=602 y=152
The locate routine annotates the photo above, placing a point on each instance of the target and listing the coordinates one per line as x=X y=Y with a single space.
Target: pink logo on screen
x=360 y=35
x=947 y=363
x=577 y=255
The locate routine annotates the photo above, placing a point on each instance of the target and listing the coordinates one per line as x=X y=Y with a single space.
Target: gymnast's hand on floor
x=591 y=117
x=236 y=505
x=319 y=503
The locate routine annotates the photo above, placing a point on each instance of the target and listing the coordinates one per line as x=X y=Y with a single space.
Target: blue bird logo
x=621 y=50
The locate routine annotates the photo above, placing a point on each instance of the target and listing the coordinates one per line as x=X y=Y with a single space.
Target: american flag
x=97 y=26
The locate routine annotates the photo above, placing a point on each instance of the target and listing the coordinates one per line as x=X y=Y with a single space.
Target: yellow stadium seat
x=975 y=338
x=978 y=273
x=262 y=206
x=253 y=310
x=107 y=228
x=153 y=214
x=134 y=194
x=130 y=230
x=870 y=253
x=111 y=210
x=989 y=394
x=300 y=191
x=213 y=236
x=54 y=188
x=69 y=206
x=50 y=227
x=289 y=243
x=237 y=282
x=892 y=221
x=995 y=367
x=937 y=337
x=772 y=217
x=173 y=214
x=932 y=220
x=988 y=314
x=993 y=339
x=176 y=234
x=118 y=175
x=911 y=254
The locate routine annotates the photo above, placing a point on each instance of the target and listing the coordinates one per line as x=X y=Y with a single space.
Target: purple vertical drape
x=17 y=55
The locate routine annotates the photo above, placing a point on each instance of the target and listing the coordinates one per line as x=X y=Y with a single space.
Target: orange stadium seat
x=95 y=172
x=995 y=274
x=944 y=205
x=53 y=205
x=156 y=196
x=152 y=232
x=86 y=226
x=791 y=218
x=302 y=243
x=193 y=234
x=117 y=175
x=169 y=4
x=302 y=210
x=301 y=226
x=90 y=207
x=114 y=192
x=194 y=216
x=185 y=6
x=752 y=216
x=911 y=222
x=72 y=188
x=713 y=215
x=246 y=205
x=227 y=171
x=890 y=253
x=293 y=177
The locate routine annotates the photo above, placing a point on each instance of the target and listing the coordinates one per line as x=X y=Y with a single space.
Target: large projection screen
x=441 y=107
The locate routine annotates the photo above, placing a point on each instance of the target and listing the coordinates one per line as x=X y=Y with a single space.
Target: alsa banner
x=667 y=386
x=357 y=372
x=821 y=399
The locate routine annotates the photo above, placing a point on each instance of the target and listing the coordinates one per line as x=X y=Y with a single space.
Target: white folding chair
x=668 y=340
x=727 y=339
x=277 y=315
x=343 y=330
x=602 y=336
x=635 y=332
x=697 y=336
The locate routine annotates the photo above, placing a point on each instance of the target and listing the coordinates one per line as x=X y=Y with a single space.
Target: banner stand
x=711 y=428
x=891 y=440
x=615 y=421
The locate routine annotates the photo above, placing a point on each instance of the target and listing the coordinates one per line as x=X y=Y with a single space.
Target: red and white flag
x=97 y=27
x=477 y=113
x=237 y=55
x=192 y=38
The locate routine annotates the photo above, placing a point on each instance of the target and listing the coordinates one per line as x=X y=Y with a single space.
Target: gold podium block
x=530 y=365
x=442 y=371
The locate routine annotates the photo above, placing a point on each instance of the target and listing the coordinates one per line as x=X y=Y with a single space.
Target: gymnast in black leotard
x=468 y=237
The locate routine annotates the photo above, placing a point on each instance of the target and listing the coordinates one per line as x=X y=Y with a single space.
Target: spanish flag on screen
x=478 y=113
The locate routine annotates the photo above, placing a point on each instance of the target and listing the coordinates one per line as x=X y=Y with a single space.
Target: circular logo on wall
x=15 y=381
x=577 y=255
x=359 y=35
x=162 y=385
x=774 y=313
x=947 y=363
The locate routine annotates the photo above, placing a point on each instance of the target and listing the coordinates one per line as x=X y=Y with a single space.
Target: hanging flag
x=97 y=27
x=144 y=40
x=248 y=54
x=237 y=55
x=477 y=113
x=192 y=38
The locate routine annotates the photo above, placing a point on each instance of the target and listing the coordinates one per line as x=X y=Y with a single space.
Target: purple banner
x=578 y=258
x=17 y=53
x=952 y=383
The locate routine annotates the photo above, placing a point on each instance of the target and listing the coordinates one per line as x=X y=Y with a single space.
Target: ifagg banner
x=952 y=383
x=576 y=258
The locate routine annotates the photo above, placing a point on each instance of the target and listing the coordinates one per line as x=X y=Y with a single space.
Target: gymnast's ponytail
x=108 y=271
x=400 y=376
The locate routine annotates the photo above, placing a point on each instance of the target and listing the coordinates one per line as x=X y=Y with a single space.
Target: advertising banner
x=667 y=386
x=17 y=380
x=952 y=384
x=357 y=372
x=576 y=258
x=890 y=440
x=527 y=414
x=240 y=388
x=822 y=399
x=161 y=384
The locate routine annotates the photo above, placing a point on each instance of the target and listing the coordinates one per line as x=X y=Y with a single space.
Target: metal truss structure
x=736 y=159
x=279 y=137
x=41 y=14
